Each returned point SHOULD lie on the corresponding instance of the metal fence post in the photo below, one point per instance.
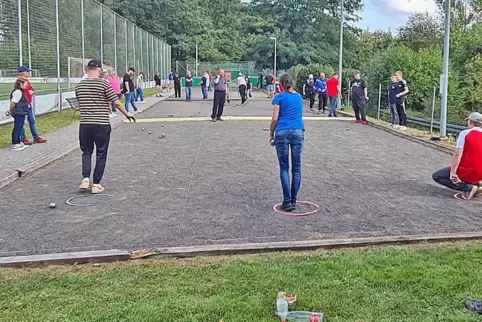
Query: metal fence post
(115, 42)
(28, 37)
(58, 52)
(147, 52)
(157, 56)
(433, 108)
(379, 98)
(125, 37)
(134, 45)
(101, 36)
(82, 31)
(142, 51)
(19, 21)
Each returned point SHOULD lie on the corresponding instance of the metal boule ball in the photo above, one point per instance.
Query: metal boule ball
(143, 129)
(52, 205)
(162, 125)
(150, 132)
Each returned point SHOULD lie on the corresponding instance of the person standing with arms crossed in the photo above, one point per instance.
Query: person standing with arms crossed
(287, 133)
(219, 96)
(320, 85)
(359, 96)
(157, 80)
(392, 102)
(188, 88)
(94, 96)
(401, 90)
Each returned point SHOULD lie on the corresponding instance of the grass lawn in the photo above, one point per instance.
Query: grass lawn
(418, 283)
(49, 123)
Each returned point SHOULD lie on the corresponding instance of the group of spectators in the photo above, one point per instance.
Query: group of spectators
(269, 81)
(326, 89)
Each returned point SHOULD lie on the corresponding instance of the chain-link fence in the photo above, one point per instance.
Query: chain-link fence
(245, 67)
(56, 39)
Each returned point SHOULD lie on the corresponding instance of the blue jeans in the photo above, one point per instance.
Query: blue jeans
(284, 140)
(130, 100)
(139, 94)
(30, 117)
(18, 122)
(205, 91)
(188, 93)
(333, 104)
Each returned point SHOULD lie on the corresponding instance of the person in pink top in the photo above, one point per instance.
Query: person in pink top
(115, 83)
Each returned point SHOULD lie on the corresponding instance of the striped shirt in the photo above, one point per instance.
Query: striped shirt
(94, 96)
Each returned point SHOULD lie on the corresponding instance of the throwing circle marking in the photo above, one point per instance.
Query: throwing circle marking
(293, 214)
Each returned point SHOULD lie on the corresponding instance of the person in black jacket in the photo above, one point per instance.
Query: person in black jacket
(309, 90)
(392, 101)
(177, 85)
(18, 110)
(204, 85)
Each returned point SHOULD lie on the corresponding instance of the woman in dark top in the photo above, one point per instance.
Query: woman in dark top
(287, 132)
(249, 87)
(309, 89)
(18, 110)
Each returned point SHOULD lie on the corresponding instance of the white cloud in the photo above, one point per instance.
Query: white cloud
(406, 7)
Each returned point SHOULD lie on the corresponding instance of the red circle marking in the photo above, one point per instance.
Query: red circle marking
(458, 197)
(317, 208)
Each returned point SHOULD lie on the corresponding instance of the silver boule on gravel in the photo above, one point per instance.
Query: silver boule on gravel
(52, 205)
(150, 132)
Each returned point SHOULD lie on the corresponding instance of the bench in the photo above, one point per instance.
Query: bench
(74, 104)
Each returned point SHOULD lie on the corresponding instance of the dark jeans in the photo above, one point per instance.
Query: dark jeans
(333, 104)
(402, 113)
(218, 104)
(130, 100)
(18, 122)
(394, 114)
(91, 135)
(311, 96)
(205, 91)
(442, 177)
(242, 92)
(359, 109)
(188, 90)
(31, 122)
(284, 140)
(177, 91)
(322, 102)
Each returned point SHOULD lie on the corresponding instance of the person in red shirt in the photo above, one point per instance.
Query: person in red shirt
(465, 171)
(23, 73)
(333, 91)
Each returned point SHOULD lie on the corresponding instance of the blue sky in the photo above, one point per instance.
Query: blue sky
(391, 14)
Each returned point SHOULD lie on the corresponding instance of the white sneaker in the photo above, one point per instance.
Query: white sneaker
(23, 145)
(85, 184)
(17, 147)
(396, 126)
(111, 115)
(139, 110)
(402, 128)
(97, 188)
(143, 102)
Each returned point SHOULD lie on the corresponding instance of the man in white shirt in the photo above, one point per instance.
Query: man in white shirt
(241, 85)
(208, 81)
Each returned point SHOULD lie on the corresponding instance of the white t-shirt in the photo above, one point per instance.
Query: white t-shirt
(241, 81)
(16, 96)
(207, 79)
(140, 81)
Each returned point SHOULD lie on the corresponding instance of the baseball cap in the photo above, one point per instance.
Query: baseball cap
(356, 72)
(474, 116)
(23, 69)
(94, 63)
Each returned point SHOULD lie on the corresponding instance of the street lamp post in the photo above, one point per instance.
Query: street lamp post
(445, 72)
(274, 38)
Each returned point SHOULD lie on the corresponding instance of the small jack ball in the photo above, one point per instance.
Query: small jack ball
(162, 125)
(52, 205)
(150, 132)
(143, 129)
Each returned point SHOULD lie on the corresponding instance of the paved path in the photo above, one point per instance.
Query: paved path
(59, 143)
(213, 183)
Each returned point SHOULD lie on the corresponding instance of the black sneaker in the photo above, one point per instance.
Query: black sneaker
(220, 119)
(469, 194)
(287, 206)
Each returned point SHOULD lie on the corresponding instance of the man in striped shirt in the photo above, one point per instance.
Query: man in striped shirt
(94, 96)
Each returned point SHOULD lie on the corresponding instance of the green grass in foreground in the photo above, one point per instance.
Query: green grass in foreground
(422, 283)
(49, 123)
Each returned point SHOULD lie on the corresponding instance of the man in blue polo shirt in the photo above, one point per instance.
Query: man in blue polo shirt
(320, 86)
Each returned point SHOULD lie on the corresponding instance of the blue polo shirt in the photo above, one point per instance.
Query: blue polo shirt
(290, 111)
(321, 84)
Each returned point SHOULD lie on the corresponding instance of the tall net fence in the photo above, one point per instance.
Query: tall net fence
(56, 39)
(245, 67)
